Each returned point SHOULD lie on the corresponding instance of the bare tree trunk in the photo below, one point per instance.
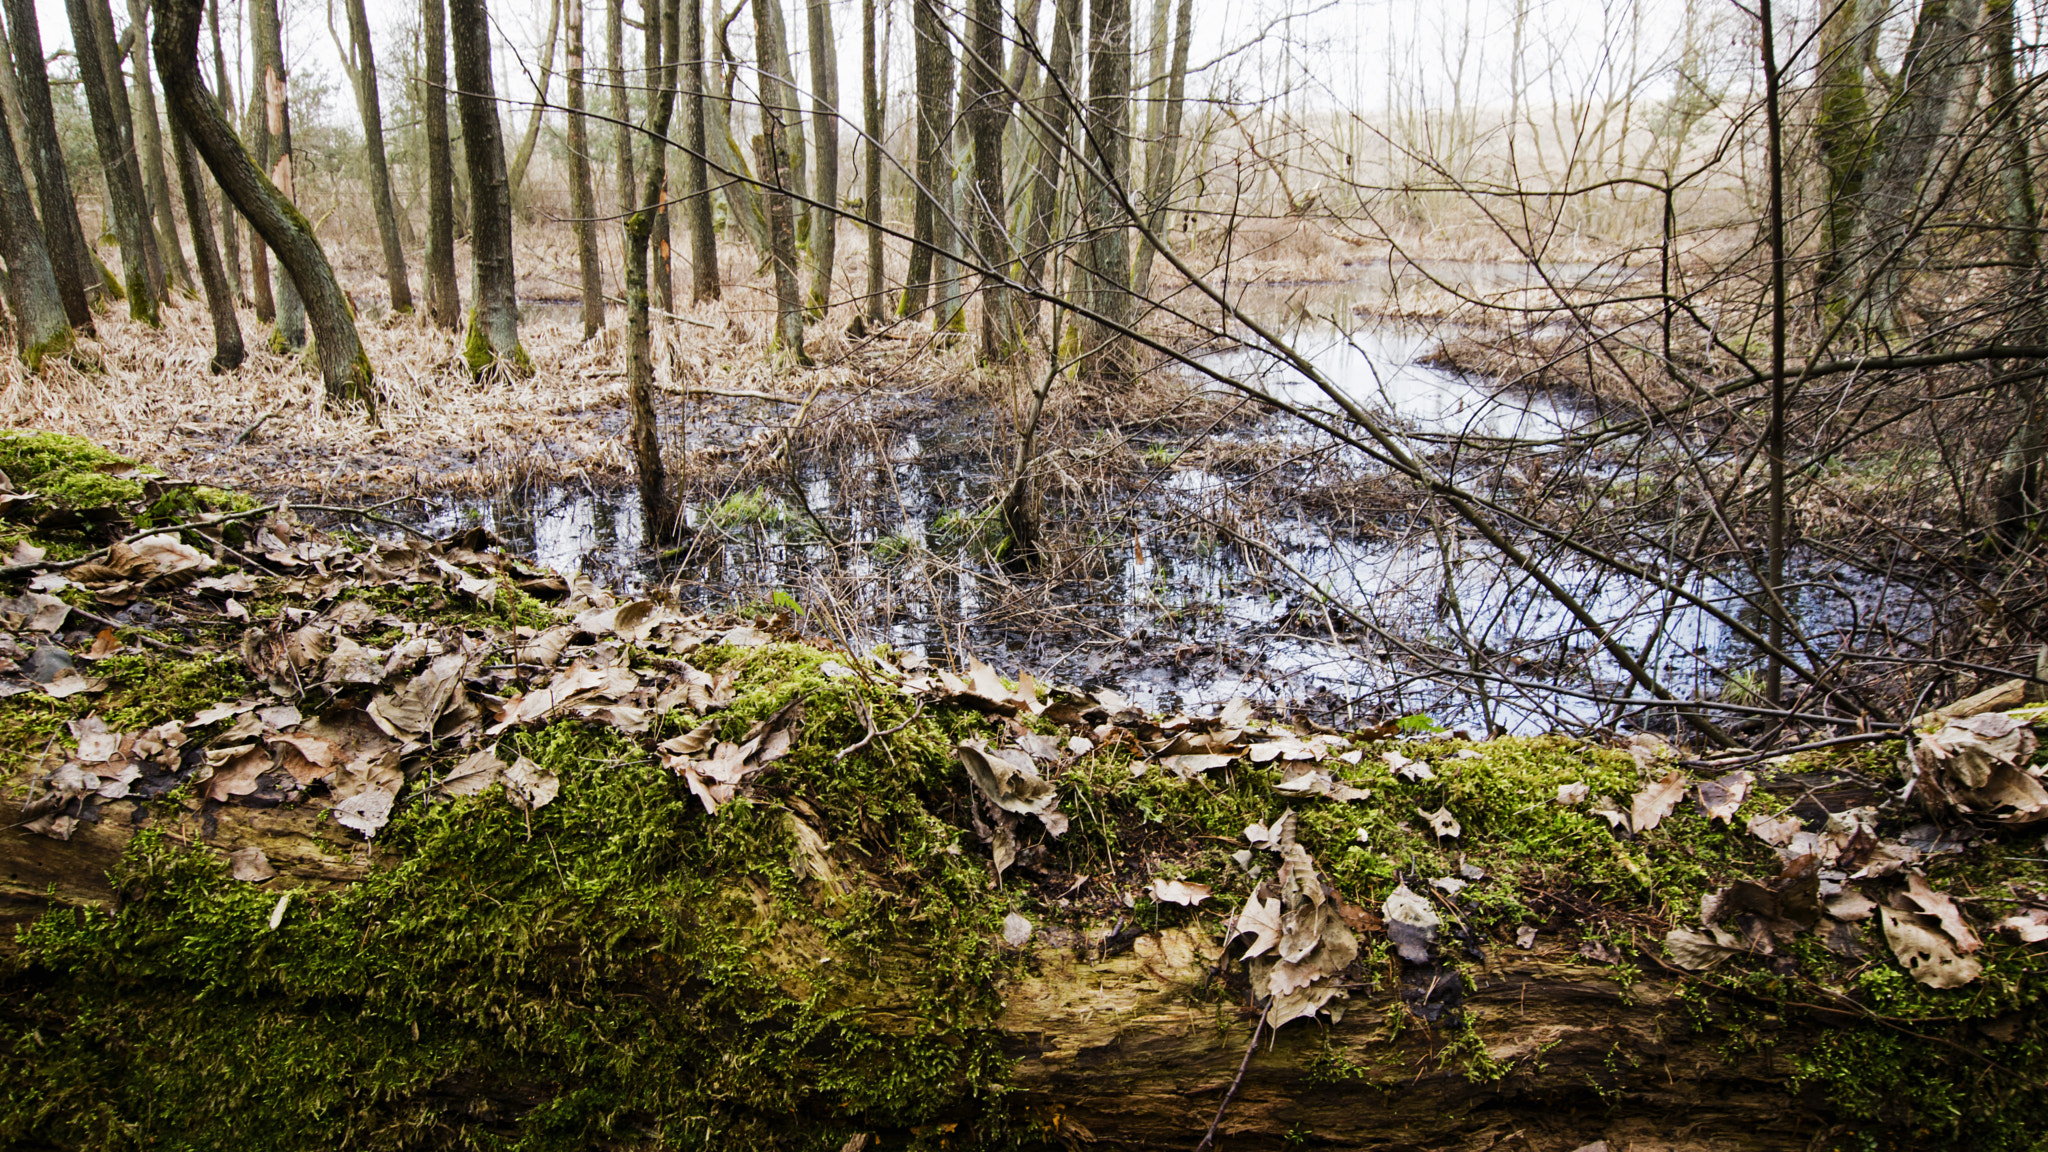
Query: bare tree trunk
(825, 153)
(985, 105)
(1166, 150)
(622, 102)
(1909, 140)
(124, 199)
(740, 196)
(224, 93)
(344, 368)
(934, 70)
(524, 156)
(364, 75)
(220, 300)
(2020, 487)
(781, 78)
(40, 327)
(70, 257)
(1109, 150)
(874, 122)
(444, 287)
(1050, 147)
(582, 196)
(658, 517)
(151, 140)
(257, 121)
(653, 45)
(124, 127)
(704, 278)
(288, 331)
(771, 158)
(1842, 137)
(493, 339)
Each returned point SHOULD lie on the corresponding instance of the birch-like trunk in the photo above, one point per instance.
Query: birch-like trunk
(363, 75)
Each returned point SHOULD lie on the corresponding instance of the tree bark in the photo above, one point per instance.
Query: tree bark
(124, 199)
(41, 329)
(524, 156)
(825, 153)
(771, 158)
(874, 123)
(582, 196)
(653, 51)
(493, 339)
(102, 14)
(657, 513)
(224, 93)
(934, 76)
(704, 276)
(444, 287)
(344, 368)
(257, 120)
(1166, 150)
(1049, 149)
(70, 257)
(371, 109)
(741, 196)
(151, 139)
(985, 105)
(1109, 151)
(1841, 135)
(288, 331)
(622, 103)
(220, 300)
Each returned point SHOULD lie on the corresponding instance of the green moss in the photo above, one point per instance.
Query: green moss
(71, 471)
(752, 508)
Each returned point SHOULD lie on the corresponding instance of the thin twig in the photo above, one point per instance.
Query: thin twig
(365, 514)
(850, 749)
(1250, 1048)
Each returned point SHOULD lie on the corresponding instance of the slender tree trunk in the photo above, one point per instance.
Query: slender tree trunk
(653, 45)
(1909, 142)
(934, 75)
(704, 280)
(1841, 134)
(1109, 150)
(524, 156)
(825, 150)
(658, 516)
(771, 157)
(1166, 151)
(493, 338)
(40, 327)
(781, 77)
(257, 119)
(220, 300)
(71, 259)
(151, 139)
(224, 93)
(622, 102)
(986, 108)
(344, 368)
(444, 287)
(288, 332)
(874, 122)
(124, 127)
(741, 197)
(1050, 147)
(371, 109)
(124, 199)
(2020, 489)
(582, 197)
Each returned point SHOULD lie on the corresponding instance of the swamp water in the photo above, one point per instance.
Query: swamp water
(1174, 613)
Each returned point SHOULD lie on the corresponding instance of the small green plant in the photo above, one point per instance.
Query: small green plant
(786, 602)
(894, 548)
(753, 508)
(1419, 723)
(1743, 686)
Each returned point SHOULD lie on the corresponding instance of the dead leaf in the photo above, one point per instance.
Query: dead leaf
(1009, 785)
(38, 613)
(475, 774)
(1412, 924)
(1407, 768)
(1194, 764)
(1259, 919)
(1720, 798)
(1569, 795)
(410, 712)
(1016, 930)
(529, 786)
(1442, 822)
(2031, 926)
(1777, 831)
(1179, 892)
(1944, 911)
(1655, 802)
(70, 683)
(1698, 951)
(1925, 953)
(250, 864)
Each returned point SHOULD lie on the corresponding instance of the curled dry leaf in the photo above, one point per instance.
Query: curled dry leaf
(1981, 766)
(1570, 795)
(1412, 923)
(1407, 768)
(250, 864)
(476, 773)
(1944, 911)
(1178, 892)
(1719, 798)
(1008, 779)
(1777, 831)
(529, 786)
(1654, 803)
(1259, 919)
(1442, 822)
(2031, 926)
(1925, 953)
(1701, 950)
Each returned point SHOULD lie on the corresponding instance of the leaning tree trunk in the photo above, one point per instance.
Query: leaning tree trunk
(288, 333)
(1910, 140)
(582, 196)
(493, 339)
(873, 128)
(344, 368)
(70, 257)
(150, 139)
(704, 279)
(825, 153)
(364, 75)
(444, 287)
(41, 329)
(657, 513)
(741, 195)
(220, 300)
(1166, 152)
(110, 51)
(124, 199)
(1107, 265)
(771, 157)
(524, 156)
(230, 227)
(986, 108)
